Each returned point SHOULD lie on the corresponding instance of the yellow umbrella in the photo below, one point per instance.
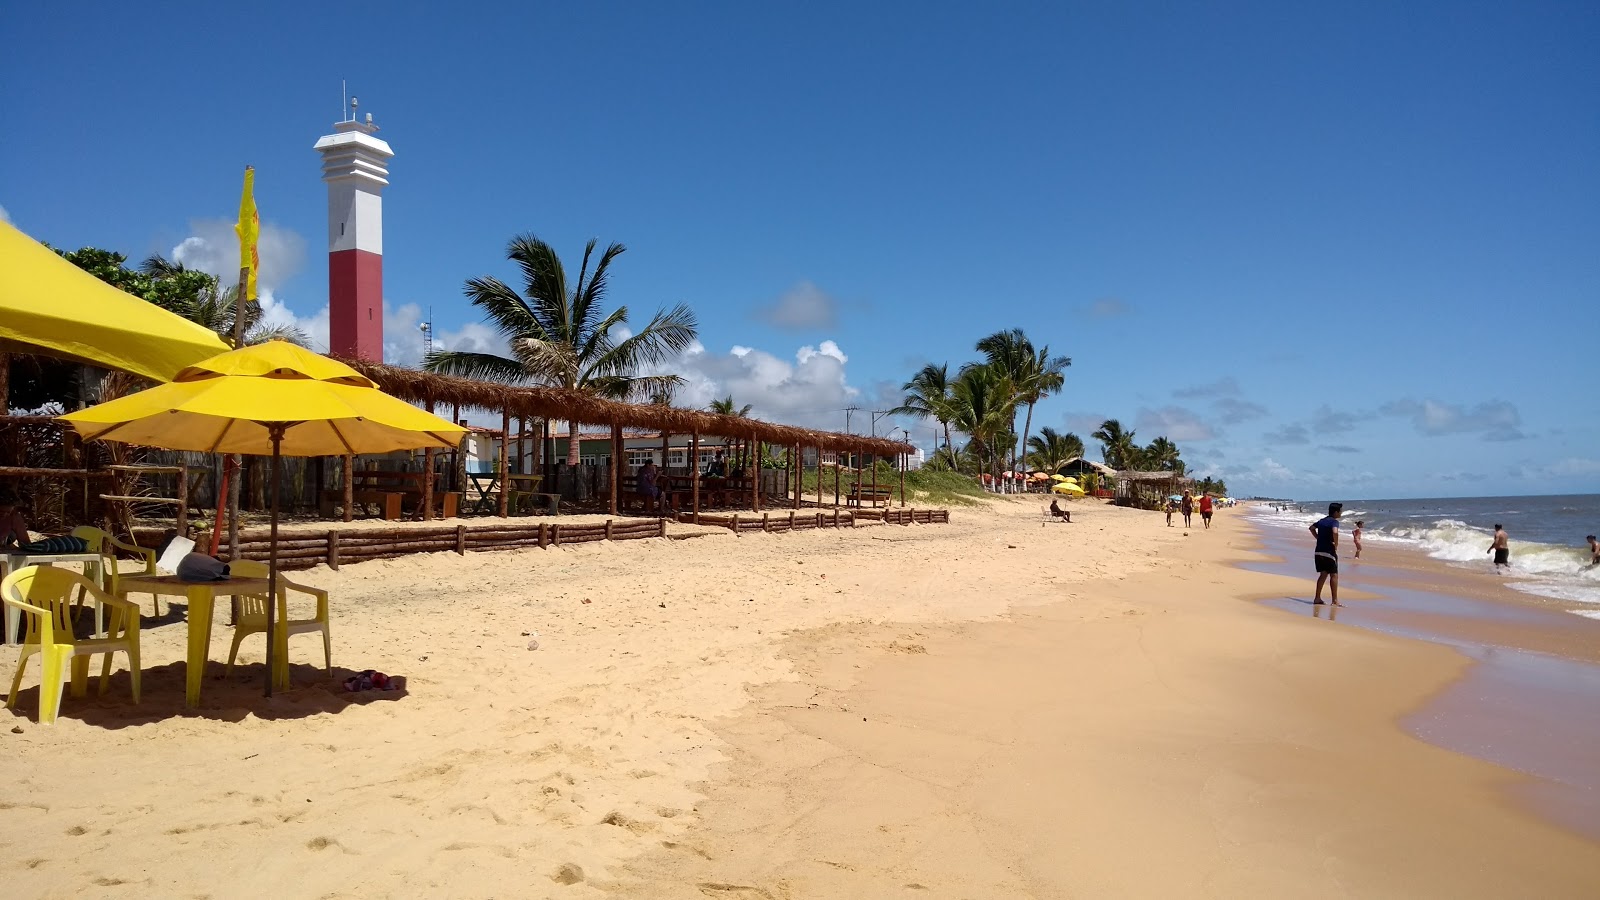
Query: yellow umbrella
(1059, 477)
(51, 306)
(1068, 489)
(274, 398)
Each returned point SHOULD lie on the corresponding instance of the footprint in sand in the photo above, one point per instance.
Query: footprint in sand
(568, 874)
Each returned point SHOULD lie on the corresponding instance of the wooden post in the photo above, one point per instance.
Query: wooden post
(348, 473)
(505, 462)
(522, 429)
(183, 498)
(905, 461)
(754, 471)
(608, 529)
(838, 470)
(874, 481)
(799, 476)
(819, 481)
(333, 550)
(458, 481)
(616, 465)
(461, 539)
(427, 478)
(694, 473)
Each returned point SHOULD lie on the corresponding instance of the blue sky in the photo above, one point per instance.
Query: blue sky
(1349, 249)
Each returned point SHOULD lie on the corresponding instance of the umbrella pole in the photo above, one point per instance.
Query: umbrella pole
(272, 564)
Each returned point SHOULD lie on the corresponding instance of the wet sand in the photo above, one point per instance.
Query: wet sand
(1154, 735)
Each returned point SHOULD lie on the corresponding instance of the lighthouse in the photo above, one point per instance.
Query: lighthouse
(355, 164)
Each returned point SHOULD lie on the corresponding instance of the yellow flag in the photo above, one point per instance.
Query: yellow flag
(249, 229)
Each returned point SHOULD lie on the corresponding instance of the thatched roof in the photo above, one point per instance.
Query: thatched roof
(1153, 476)
(556, 403)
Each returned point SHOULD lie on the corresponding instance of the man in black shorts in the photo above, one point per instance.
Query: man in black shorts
(1501, 548)
(1326, 531)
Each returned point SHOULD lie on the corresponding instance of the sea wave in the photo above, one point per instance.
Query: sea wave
(1545, 570)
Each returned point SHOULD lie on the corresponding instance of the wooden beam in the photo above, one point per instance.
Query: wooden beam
(616, 466)
(348, 467)
(694, 469)
(753, 471)
(505, 462)
(905, 462)
(427, 479)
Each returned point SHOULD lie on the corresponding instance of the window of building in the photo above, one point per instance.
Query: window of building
(640, 457)
(675, 458)
(588, 460)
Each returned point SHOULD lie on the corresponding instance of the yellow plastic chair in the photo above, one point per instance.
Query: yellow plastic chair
(43, 594)
(252, 619)
(107, 546)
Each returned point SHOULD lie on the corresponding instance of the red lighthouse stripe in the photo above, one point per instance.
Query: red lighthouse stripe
(355, 304)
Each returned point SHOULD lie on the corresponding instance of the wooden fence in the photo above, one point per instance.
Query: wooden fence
(777, 522)
(335, 547)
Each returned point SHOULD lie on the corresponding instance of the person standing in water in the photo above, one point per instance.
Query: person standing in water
(1326, 531)
(1594, 551)
(1355, 536)
(1501, 548)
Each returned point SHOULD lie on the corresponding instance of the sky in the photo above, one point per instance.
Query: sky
(1333, 249)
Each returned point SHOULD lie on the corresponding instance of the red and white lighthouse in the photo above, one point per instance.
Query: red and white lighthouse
(356, 167)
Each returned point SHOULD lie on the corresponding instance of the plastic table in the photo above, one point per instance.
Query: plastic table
(202, 598)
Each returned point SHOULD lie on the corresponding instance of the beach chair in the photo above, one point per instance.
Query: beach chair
(107, 546)
(251, 619)
(43, 594)
(1044, 510)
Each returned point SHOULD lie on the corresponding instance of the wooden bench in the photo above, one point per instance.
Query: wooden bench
(859, 492)
(392, 501)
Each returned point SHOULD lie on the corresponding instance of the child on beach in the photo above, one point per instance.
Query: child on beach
(1172, 507)
(1356, 536)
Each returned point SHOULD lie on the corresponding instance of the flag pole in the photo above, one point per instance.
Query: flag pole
(247, 253)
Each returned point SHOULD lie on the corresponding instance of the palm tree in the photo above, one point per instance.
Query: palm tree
(1035, 373)
(560, 336)
(216, 308)
(1162, 456)
(985, 407)
(1049, 450)
(929, 396)
(725, 407)
(1116, 446)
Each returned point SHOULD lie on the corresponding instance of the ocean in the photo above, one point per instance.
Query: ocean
(1549, 557)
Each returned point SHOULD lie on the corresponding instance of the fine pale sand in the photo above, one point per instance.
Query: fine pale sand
(992, 708)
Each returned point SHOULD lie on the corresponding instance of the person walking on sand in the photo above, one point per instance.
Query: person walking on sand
(1188, 508)
(1355, 536)
(1501, 548)
(1205, 508)
(1326, 531)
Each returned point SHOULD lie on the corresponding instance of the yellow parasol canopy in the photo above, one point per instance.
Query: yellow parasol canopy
(229, 403)
(1067, 488)
(50, 306)
(271, 398)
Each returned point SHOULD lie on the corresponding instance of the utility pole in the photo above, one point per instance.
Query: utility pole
(847, 411)
(876, 415)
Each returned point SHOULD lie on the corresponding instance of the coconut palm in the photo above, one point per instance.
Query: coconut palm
(929, 396)
(725, 407)
(1033, 372)
(1116, 446)
(985, 407)
(561, 336)
(1162, 456)
(217, 308)
(1049, 450)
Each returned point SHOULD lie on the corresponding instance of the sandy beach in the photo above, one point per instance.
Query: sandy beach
(985, 709)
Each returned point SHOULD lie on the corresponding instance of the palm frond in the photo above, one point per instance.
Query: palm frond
(480, 366)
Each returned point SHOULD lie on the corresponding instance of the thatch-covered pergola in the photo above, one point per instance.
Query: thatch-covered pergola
(1148, 490)
(434, 391)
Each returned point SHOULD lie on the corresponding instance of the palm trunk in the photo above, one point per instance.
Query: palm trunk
(1027, 426)
(572, 445)
(947, 448)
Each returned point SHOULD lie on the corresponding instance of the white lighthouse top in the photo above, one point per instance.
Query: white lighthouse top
(351, 153)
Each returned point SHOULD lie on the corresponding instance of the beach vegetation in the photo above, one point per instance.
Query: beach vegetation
(1033, 373)
(1049, 450)
(560, 334)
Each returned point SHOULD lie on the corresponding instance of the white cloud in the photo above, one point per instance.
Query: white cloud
(1572, 467)
(214, 247)
(1174, 422)
(811, 389)
(1108, 308)
(1496, 420)
(803, 307)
